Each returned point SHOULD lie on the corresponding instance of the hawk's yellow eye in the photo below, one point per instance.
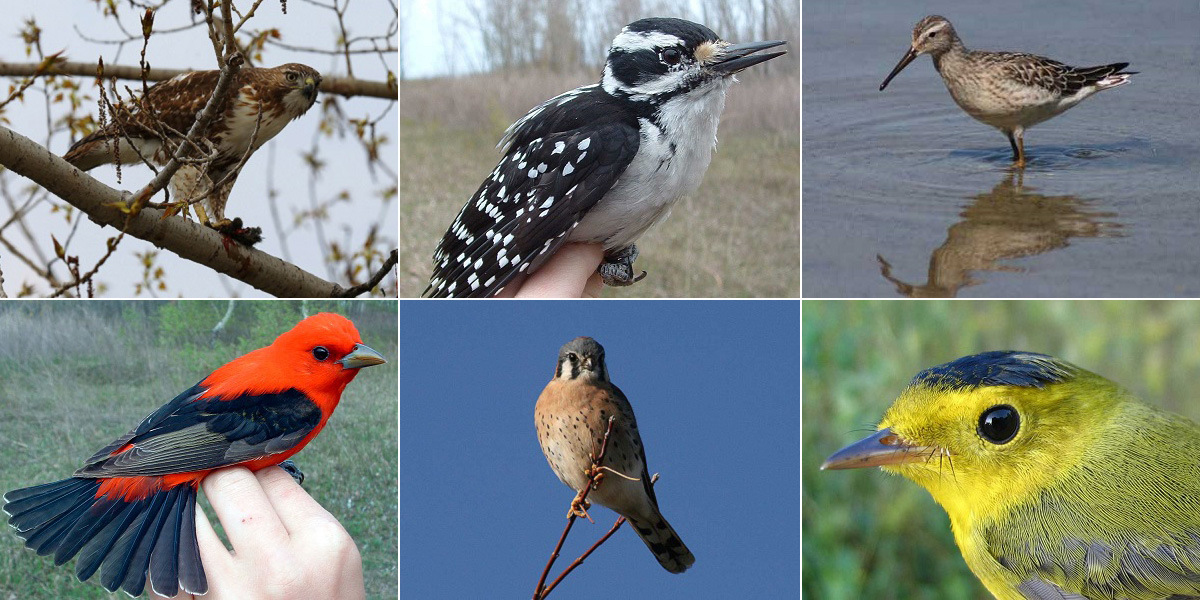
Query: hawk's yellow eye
(292, 76)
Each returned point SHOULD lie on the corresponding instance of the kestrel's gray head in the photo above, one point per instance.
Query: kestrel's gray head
(581, 357)
(933, 35)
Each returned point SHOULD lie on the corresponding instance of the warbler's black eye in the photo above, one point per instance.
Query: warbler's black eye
(999, 424)
(672, 56)
(320, 353)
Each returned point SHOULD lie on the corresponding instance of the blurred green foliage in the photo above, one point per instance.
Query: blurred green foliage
(74, 375)
(867, 534)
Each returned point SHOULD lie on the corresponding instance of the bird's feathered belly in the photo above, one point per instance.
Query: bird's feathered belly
(1004, 102)
(662, 172)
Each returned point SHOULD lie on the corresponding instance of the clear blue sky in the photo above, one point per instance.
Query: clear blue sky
(715, 386)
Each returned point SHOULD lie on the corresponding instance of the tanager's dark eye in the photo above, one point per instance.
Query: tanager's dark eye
(320, 353)
(999, 424)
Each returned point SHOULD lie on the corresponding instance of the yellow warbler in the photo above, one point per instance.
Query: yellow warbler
(1058, 483)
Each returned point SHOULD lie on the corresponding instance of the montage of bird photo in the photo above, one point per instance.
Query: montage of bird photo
(584, 174)
(1057, 482)
(230, 139)
(75, 375)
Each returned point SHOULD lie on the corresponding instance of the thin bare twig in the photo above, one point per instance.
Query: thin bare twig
(370, 284)
(583, 557)
(539, 593)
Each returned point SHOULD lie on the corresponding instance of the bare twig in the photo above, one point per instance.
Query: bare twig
(348, 87)
(583, 557)
(196, 132)
(539, 593)
(370, 284)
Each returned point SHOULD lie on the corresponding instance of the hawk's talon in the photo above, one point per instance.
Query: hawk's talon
(617, 269)
(235, 230)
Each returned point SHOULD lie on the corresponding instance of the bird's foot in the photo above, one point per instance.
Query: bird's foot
(290, 468)
(579, 508)
(617, 269)
(235, 230)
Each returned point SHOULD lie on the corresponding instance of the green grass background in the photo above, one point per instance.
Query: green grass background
(74, 375)
(867, 534)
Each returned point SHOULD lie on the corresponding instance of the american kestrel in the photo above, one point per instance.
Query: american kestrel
(571, 416)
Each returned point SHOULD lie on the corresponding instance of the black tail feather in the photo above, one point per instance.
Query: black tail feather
(127, 541)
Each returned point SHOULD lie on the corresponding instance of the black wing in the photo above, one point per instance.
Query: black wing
(559, 160)
(190, 434)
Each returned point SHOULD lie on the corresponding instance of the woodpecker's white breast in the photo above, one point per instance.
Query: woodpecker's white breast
(670, 163)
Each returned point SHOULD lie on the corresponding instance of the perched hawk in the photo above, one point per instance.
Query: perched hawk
(153, 127)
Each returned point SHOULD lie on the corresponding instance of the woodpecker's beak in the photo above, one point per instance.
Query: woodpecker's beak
(737, 57)
(909, 56)
(884, 447)
(361, 356)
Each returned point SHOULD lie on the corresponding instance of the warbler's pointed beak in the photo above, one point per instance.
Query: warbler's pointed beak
(738, 57)
(909, 56)
(361, 356)
(884, 447)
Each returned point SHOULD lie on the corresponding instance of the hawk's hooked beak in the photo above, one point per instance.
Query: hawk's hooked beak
(310, 88)
(738, 57)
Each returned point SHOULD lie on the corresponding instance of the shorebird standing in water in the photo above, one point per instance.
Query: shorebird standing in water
(1010, 91)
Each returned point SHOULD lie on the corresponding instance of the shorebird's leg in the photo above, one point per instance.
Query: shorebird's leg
(1021, 148)
(1013, 142)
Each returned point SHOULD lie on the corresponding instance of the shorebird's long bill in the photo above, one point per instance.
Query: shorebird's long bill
(738, 57)
(908, 57)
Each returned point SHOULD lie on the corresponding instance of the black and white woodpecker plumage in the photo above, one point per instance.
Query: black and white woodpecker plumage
(600, 163)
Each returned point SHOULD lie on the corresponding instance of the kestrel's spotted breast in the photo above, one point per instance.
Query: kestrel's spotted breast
(571, 416)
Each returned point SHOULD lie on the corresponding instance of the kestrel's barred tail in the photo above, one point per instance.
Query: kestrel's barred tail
(663, 542)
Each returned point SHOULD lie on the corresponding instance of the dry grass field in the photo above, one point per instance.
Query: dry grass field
(737, 236)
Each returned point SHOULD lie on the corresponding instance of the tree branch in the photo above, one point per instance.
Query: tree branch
(341, 86)
(185, 238)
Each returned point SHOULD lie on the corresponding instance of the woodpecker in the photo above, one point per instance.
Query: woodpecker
(600, 163)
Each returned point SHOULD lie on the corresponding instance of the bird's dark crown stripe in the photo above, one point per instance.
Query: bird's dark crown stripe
(1020, 369)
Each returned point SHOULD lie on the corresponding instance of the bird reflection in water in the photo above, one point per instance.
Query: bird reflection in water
(1006, 223)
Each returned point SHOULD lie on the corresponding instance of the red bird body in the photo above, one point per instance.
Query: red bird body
(130, 510)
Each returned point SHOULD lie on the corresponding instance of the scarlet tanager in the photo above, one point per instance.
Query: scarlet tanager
(130, 510)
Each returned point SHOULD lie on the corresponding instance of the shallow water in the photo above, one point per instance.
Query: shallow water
(904, 194)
